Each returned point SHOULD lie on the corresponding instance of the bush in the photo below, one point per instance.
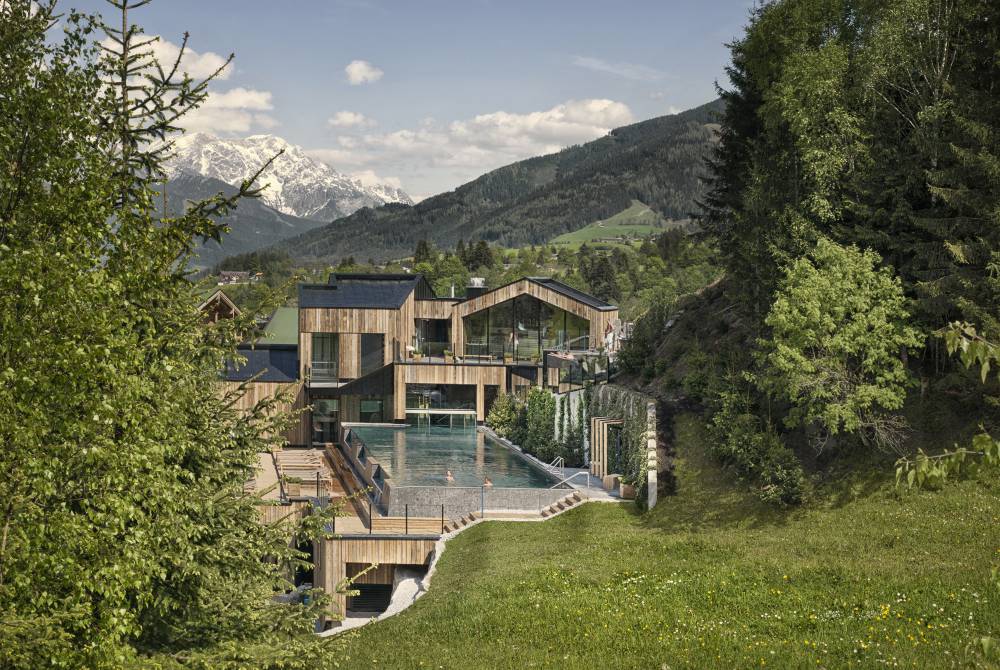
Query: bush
(540, 414)
(755, 451)
(503, 415)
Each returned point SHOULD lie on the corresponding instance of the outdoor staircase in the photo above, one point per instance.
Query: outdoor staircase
(572, 500)
(452, 525)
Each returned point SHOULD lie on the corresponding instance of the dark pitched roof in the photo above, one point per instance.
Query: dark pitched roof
(273, 362)
(373, 291)
(564, 289)
(573, 294)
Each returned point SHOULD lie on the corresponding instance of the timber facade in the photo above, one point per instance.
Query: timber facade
(383, 348)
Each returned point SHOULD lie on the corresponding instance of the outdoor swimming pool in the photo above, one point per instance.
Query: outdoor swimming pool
(422, 456)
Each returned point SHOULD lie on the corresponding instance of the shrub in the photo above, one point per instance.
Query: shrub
(755, 451)
(540, 418)
(503, 415)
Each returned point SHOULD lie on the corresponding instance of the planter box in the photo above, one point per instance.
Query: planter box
(293, 488)
(611, 482)
(627, 492)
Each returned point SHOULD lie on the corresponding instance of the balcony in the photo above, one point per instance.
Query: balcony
(322, 372)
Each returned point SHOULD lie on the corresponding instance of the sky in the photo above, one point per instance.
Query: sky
(429, 94)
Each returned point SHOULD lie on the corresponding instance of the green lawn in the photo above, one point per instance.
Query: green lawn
(861, 577)
(638, 221)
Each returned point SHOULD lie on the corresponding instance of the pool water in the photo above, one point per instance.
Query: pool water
(422, 456)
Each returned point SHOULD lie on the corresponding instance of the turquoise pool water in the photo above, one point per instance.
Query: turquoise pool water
(423, 456)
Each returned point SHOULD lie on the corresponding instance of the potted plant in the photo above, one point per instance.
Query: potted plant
(293, 486)
(627, 490)
(449, 356)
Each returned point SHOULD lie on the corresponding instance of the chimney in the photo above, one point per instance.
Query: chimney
(476, 287)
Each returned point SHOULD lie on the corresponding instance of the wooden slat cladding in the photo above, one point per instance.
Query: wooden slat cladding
(396, 324)
(383, 573)
(334, 556)
(433, 309)
(257, 391)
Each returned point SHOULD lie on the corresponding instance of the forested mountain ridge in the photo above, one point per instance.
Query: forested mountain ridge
(252, 225)
(658, 162)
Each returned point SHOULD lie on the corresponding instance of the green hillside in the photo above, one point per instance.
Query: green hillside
(863, 576)
(659, 162)
(637, 222)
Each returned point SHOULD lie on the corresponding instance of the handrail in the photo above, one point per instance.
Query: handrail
(349, 437)
(570, 478)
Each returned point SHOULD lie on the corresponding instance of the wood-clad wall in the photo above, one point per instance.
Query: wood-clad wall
(396, 324)
(433, 309)
(333, 557)
(599, 319)
(298, 434)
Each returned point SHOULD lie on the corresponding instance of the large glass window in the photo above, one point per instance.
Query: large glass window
(526, 338)
(440, 396)
(577, 332)
(372, 352)
(476, 334)
(522, 328)
(501, 321)
(552, 325)
(325, 350)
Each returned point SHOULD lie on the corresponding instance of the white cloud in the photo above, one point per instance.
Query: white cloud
(369, 178)
(443, 155)
(362, 72)
(346, 119)
(625, 70)
(238, 110)
(198, 65)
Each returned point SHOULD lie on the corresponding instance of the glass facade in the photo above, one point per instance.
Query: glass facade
(440, 396)
(521, 329)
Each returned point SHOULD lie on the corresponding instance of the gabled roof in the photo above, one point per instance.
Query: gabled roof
(219, 295)
(573, 294)
(372, 291)
(272, 362)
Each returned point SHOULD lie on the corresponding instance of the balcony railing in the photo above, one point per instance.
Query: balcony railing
(323, 371)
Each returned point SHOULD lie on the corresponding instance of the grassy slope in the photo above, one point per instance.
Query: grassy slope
(637, 221)
(859, 578)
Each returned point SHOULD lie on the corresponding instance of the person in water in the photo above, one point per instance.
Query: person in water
(448, 476)
(487, 482)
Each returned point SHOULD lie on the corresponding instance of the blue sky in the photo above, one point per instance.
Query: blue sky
(445, 90)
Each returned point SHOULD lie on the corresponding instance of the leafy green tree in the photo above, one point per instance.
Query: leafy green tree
(126, 530)
(839, 331)
(503, 415)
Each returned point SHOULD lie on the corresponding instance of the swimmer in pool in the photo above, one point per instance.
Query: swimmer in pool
(487, 482)
(448, 476)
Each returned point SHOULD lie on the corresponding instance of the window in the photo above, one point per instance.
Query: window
(526, 337)
(577, 332)
(522, 329)
(325, 414)
(372, 352)
(440, 396)
(325, 350)
(476, 334)
(501, 319)
(371, 409)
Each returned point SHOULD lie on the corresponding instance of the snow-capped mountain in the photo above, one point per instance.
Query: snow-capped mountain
(295, 183)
